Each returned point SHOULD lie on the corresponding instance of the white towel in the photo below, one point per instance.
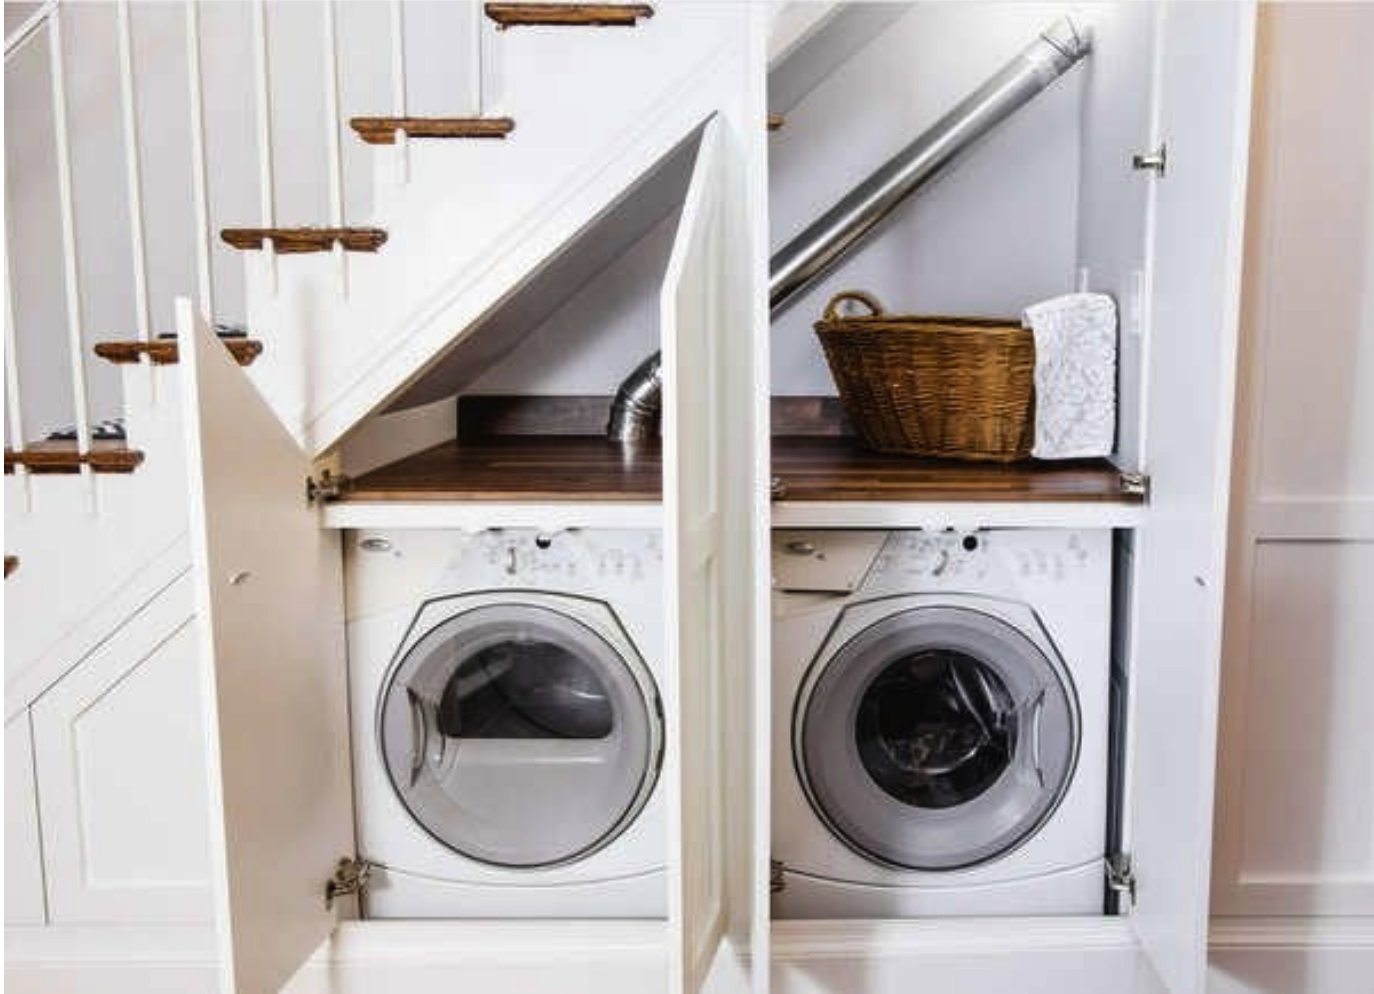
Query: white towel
(1075, 375)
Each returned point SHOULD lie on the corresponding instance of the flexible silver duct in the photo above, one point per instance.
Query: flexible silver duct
(807, 257)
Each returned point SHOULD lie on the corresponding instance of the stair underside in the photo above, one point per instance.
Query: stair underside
(382, 130)
(164, 353)
(601, 15)
(62, 457)
(288, 241)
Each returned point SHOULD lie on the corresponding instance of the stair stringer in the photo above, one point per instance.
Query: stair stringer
(86, 568)
(474, 222)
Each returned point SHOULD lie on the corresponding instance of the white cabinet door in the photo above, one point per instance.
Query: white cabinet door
(714, 448)
(119, 750)
(1203, 112)
(693, 564)
(269, 599)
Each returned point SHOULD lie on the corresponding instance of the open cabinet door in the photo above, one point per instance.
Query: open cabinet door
(693, 567)
(1203, 113)
(269, 606)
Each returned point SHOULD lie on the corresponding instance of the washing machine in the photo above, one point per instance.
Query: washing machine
(507, 722)
(940, 722)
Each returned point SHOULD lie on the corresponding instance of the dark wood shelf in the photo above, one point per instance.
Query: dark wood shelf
(835, 468)
(517, 468)
(586, 468)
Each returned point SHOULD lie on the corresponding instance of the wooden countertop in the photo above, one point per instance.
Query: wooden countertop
(521, 468)
(814, 468)
(585, 469)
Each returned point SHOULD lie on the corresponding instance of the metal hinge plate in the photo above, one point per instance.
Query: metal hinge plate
(1156, 161)
(350, 877)
(328, 487)
(1135, 484)
(776, 876)
(1121, 875)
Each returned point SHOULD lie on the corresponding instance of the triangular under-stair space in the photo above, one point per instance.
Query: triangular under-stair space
(538, 371)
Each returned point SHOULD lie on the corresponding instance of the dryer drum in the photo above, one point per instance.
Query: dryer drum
(520, 737)
(936, 739)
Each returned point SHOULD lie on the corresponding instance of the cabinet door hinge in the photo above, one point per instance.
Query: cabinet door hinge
(350, 877)
(1121, 876)
(330, 486)
(776, 879)
(1135, 484)
(1156, 162)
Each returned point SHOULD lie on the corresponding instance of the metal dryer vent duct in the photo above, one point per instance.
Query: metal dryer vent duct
(807, 257)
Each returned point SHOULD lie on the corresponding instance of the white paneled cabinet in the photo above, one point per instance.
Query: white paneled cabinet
(1295, 825)
(118, 750)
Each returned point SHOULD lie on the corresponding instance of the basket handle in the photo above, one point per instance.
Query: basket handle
(867, 299)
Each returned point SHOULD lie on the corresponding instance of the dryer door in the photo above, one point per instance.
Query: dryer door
(519, 737)
(936, 739)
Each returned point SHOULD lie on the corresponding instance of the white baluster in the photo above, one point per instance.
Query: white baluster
(133, 176)
(398, 90)
(70, 269)
(332, 123)
(14, 406)
(205, 275)
(266, 191)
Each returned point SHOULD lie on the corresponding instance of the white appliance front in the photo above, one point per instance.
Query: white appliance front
(507, 723)
(940, 722)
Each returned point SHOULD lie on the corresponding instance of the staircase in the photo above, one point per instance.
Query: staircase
(354, 276)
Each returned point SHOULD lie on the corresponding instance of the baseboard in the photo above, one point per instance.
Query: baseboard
(1291, 956)
(530, 957)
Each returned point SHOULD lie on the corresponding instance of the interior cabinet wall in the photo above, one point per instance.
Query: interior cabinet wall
(993, 234)
(1296, 791)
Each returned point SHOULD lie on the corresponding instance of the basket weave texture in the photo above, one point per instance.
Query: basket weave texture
(956, 388)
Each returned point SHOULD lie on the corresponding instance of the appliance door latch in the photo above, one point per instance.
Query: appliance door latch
(1121, 876)
(350, 877)
(776, 879)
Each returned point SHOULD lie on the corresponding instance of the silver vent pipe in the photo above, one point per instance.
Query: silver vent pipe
(811, 254)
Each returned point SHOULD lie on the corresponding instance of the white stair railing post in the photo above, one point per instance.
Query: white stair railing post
(133, 174)
(335, 152)
(71, 269)
(398, 90)
(205, 277)
(263, 86)
(14, 406)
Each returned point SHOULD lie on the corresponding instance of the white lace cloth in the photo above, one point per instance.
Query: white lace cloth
(1075, 375)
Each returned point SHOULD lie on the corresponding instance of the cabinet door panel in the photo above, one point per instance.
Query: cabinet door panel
(119, 756)
(1203, 113)
(692, 553)
(269, 600)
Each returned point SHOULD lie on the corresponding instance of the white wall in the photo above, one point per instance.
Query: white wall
(995, 233)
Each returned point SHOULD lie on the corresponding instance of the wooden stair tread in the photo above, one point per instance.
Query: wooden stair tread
(11, 564)
(600, 15)
(775, 122)
(53, 456)
(517, 468)
(164, 351)
(382, 130)
(289, 241)
(835, 468)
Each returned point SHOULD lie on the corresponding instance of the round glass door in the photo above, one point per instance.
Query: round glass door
(936, 739)
(519, 737)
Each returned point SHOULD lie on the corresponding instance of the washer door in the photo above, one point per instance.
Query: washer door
(936, 739)
(519, 737)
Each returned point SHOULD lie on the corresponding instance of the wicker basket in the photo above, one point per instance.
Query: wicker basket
(958, 388)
